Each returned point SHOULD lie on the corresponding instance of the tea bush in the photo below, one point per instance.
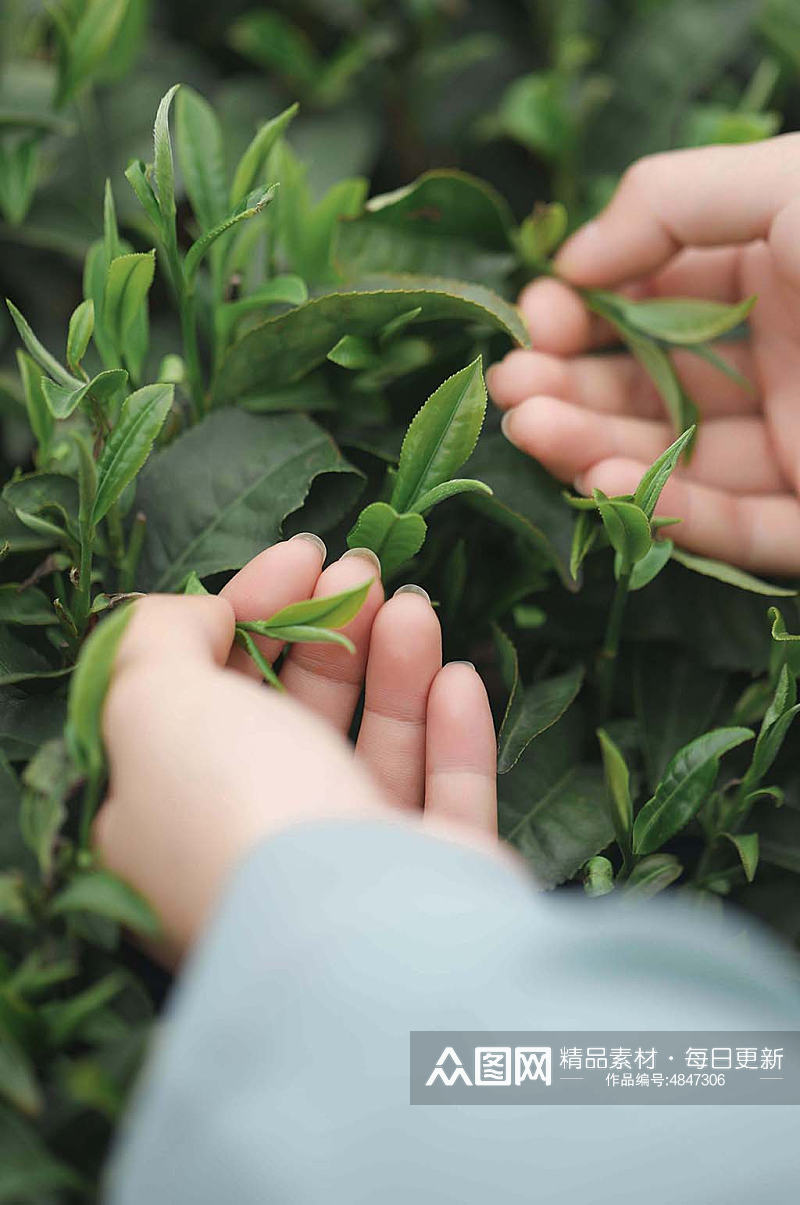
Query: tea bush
(226, 335)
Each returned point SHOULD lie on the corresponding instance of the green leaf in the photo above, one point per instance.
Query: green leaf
(657, 363)
(81, 325)
(25, 605)
(651, 564)
(441, 437)
(193, 585)
(652, 875)
(286, 289)
(290, 345)
(87, 692)
(449, 489)
(584, 536)
(627, 528)
(253, 161)
(18, 1082)
(393, 538)
(730, 575)
(330, 611)
(219, 493)
(687, 782)
(353, 353)
(64, 1019)
(103, 894)
(14, 908)
(618, 792)
(549, 804)
(21, 662)
(252, 205)
(711, 356)
(164, 170)
(746, 846)
(246, 641)
(775, 725)
(136, 175)
(526, 500)
(48, 779)
(36, 495)
(40, 353)
(141, 418)
(127, 285)
(202, 158)
(598, 877)
(684, 320)
(63, 402)
(532, 710)
(648, 491)
(28, 1172)
(301, 634)
(39, 416)
(111, 242)
(89, 43)
(272, 41)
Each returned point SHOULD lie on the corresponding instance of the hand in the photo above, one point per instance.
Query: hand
(721, 223)
(205, 761)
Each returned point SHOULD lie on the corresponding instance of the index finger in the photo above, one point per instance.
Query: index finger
(704, 197)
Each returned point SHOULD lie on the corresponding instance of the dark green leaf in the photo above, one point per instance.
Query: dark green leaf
(687, 782)
(652, 875)
(627, 528)
(746, 846)
(651, 564)
(18, 1082)
(220, 493)
(532, 710)
(39, 416)
(25, 605)
(290, 345)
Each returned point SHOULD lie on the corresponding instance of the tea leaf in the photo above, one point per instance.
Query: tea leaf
(648, 491)
(252, 205)
(141, 418)
(40, 353)
(730, 575)
(648, 568)
(48, 779)
(89, 43)
(627, 529)
(584, 536)
(548, 804)
(746, 846)
(532, 710)
(684, 320)
(63, 402)
(136, 175)
(87, 692)
(541, 232)
(441, 436)
(353, 353)
(246, 641)
(598, 877)
(200, 152)
(251, 165)
(775, 725)
(39, 415)
(288, 345)
(164, 170)
(652, 875)
(127, 285)
(393, 538)
(618, 791)
(221, 491)
(656, 362)
(13, 907)
(449, 489)
(102, 893)
(18, 1082)
(64, 1019)
(331, 611)
(25, 605)
(302, 634)
(711, 356)
(687, 782)
(81, 325)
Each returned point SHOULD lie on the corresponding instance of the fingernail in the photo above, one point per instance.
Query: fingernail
(579, 485)
(366, 554)
(505, 425)
(312, 539)
(469, 663)
(412, 589)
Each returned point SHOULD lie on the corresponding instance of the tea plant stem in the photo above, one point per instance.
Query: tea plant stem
(131, 559)
(91, 801)
(608, 654)
(188, 312)
(80, 611)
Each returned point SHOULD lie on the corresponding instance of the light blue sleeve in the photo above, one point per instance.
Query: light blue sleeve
(281, 1073)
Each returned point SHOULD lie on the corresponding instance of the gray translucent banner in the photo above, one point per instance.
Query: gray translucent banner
(613, 1067)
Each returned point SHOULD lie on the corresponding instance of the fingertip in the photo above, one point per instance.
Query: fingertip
(283, 573)
(522, 373)
(556, 317)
